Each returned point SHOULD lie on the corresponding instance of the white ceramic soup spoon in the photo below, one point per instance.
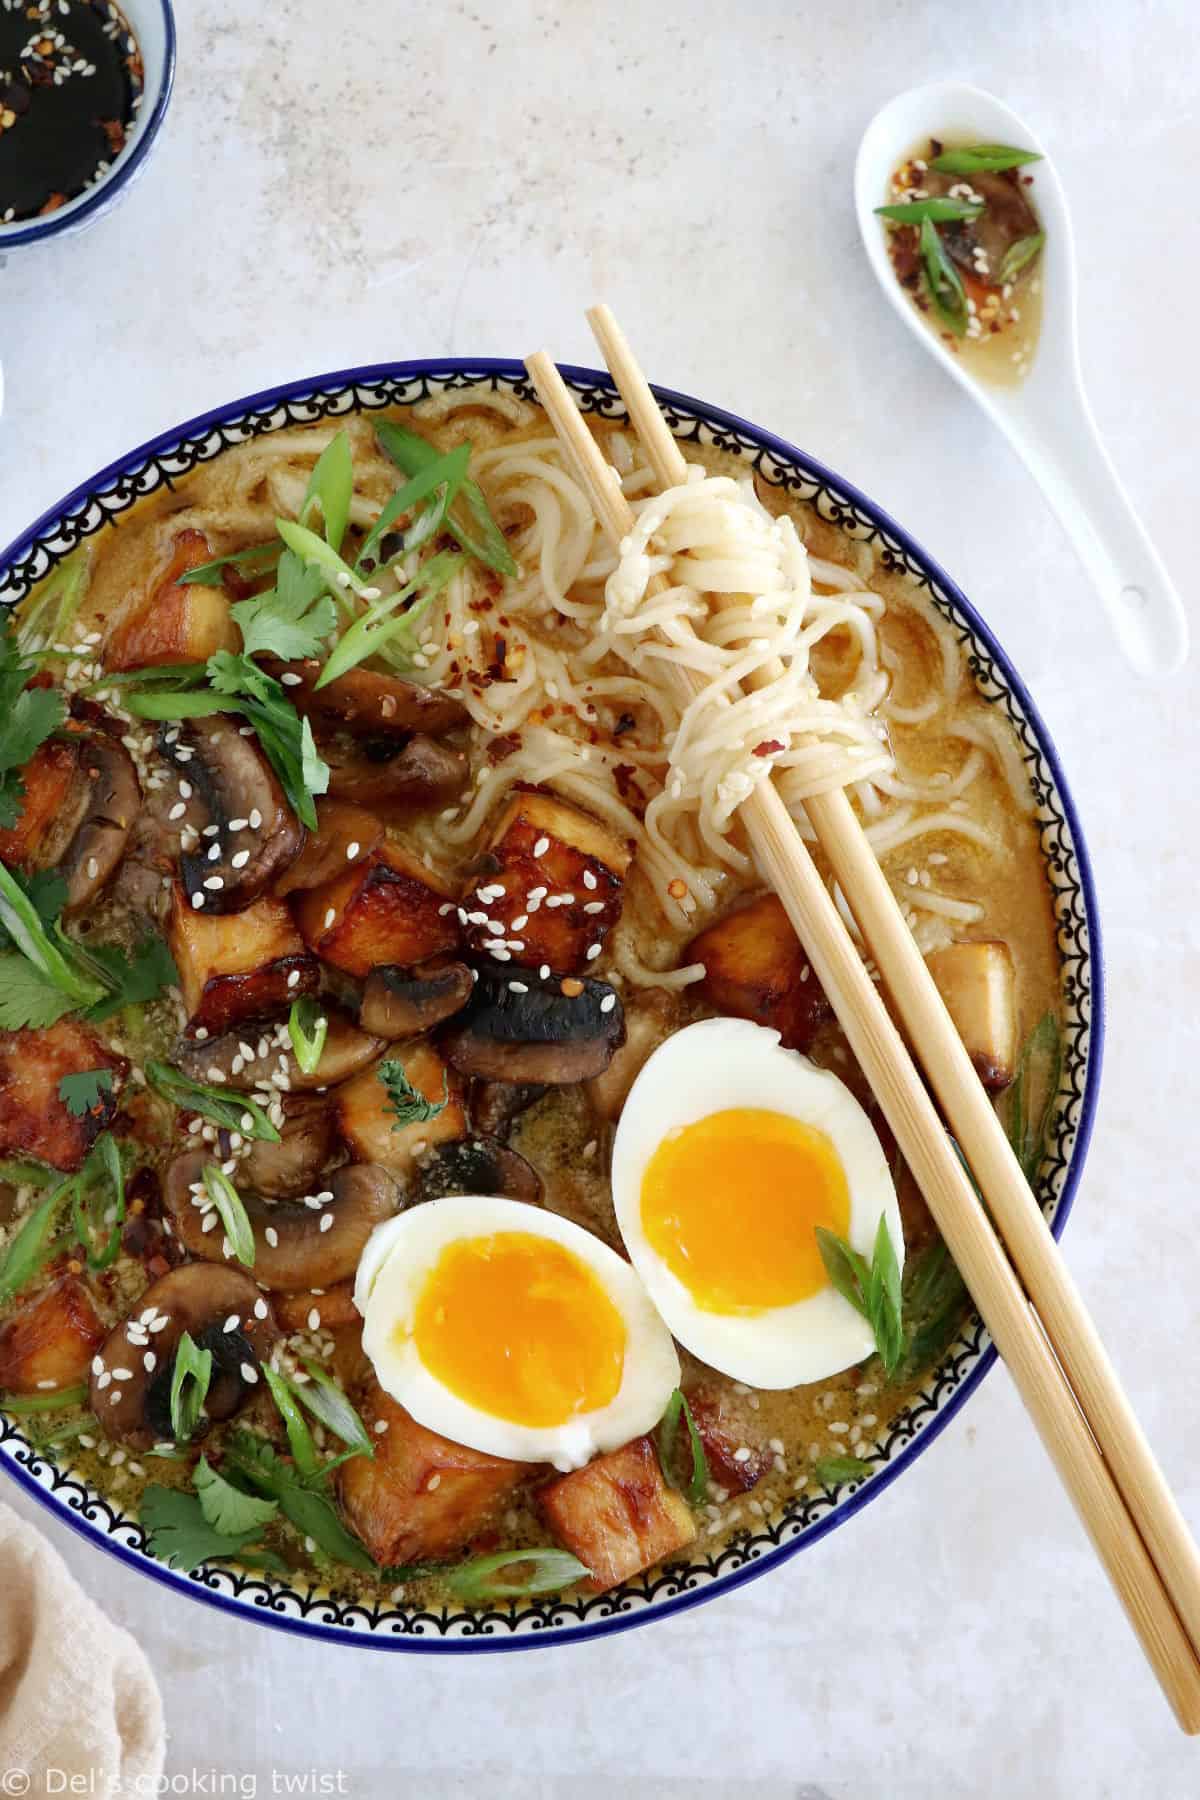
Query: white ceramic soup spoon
(1045, 416)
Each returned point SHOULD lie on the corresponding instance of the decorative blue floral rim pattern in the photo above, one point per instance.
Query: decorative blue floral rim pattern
(807, 1518)
(106, 193)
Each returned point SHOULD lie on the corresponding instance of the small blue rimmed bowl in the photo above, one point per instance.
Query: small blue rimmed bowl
(292, 1606)
(153, 25)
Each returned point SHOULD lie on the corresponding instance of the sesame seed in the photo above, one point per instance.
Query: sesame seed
(314, 1318)
(240, 858)
(260, 1309)
(352, 849)
(594, 952)
(327, 1222)
(594, 906)
(517, 987)
(185, 789)
(214, 883)
(197, 900)
(272, 1237)
(231, 1323)
(541, 847)
(149, 1361)
(255, 819)
(249, 1373)
(608, 1002)
(293, 978)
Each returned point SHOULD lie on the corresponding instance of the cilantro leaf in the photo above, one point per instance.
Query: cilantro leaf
(79, 1093)
(135, 979)
(28, 998)
(679, 1412)
(292, 619)
(309, 1511)
(226, 1508)
(27, 717)
(406, 1103)
(178, 1533)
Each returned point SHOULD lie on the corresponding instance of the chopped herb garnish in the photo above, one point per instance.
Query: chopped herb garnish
(328, 1402)
(300, 1438)
(545, 1571)
(27, 1174)
(407, 1105)
(935, 1298)
(27, 718)
(308, 1024)
(309, 1511)
(330, 490)
(983, 159)
(914, 212)
(668, 1433)
(942, 280)
(98, 1202)
(190, 1380)
(179, 1534)
(442, 478)
(35, 1244)
(231, 1212)
(89, 1088)
(830, 1470)
(292, 619)
(45, 618)
(20, 1404)
(873, 1291)
(226, 1508)
(257, 558)
(383, 626)
(1019, 255)
(235, 1112)
(1039, 1070)
(135, 978)
(48, 974)
(470, 522)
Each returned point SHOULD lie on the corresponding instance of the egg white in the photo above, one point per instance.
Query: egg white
(396, 1262)
(712, 1067)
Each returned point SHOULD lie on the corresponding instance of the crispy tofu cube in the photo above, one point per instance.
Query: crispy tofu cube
(368, 1125)
(421, 1496)
(386, 908)
(50, 1341)
(34, 1119)
(618, 1515)
(237, 967)
(756, 968)
(978, 984)
(48, 777)
(324, 857)
(548, 887)
(174, 623)
(724, 1433)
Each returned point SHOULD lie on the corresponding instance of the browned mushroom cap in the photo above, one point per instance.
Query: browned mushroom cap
(477, 1165)
(1006, 219)
(368, 704)
(89, 837)
(400, 1003)
(393, 778)
(223, 1311)
(247, 832)
(293, 1166)
(308, 1243)
(523, 1028)
(493, 1105)
(258, 1054)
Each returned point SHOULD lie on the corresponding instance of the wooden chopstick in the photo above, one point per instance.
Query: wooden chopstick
(1019, 1220)
(785, 862)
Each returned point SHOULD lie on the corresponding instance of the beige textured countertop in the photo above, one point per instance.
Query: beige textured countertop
(341, 184)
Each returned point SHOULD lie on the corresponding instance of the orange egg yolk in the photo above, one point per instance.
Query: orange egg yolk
(520, 1328)
(731, 1202)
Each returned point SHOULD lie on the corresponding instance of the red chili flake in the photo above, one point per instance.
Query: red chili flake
(768, 747)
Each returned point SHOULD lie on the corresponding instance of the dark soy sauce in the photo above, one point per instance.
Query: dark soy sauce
(70, 88)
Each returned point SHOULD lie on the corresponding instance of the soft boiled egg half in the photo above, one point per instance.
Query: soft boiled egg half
(512, 1330)
(728, 1155)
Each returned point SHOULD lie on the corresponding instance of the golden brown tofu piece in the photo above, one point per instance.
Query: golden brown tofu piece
(50, 1341)
(386, 908)
(549, 887)
(324, 856)
(368, 1125)
(237, 967)
(34, 1119)
(48, 777)
(618, 1516)
(174, 623)
(978, 984)
(421, 1497)
(757, 968)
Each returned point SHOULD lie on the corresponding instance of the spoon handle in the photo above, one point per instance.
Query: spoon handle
(1065, 454)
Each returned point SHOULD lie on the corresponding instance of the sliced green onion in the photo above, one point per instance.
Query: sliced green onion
(1019, 255)
(190, 1380)
(942, 280)
(200, 705)
(308, 1025)
(20, 1404)
(1042, 1053)
(381, 622)
(983, 159)
(330, 490)
(327, 1401)
(312, 549)
(668, 1431)
(236, 1112)
(26, 1174)
(482, 538)
(70, 1428)
(52, 612)
(300, 1438)
(231, 1211)
(830, 1470)
(444, 472)
(208, 574)
(548, 1571)
(98, 1190)
(913, 212)
(56, 961)
(34, 1245)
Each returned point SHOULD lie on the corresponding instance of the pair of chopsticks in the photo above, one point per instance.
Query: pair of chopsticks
(1010, 1261)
